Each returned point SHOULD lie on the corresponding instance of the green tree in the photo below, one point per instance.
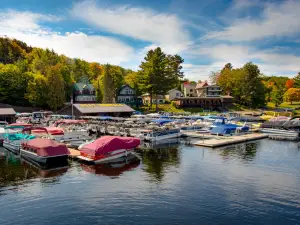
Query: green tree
(159, 73)
(276, 96)
(55, 88)
(36, 94)
(112, 79)
(132, 79)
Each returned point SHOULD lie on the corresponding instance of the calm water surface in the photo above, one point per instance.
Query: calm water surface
(254, 183)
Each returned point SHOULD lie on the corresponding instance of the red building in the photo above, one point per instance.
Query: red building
(212, 103)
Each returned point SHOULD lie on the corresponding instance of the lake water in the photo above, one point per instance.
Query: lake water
(253, 183)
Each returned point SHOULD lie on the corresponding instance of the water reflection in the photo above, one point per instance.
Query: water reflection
(15, 171)
(246, 151)
(113, 169)
(12, 171)
(159, 157)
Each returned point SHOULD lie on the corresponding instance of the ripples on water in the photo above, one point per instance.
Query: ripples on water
(253, 183)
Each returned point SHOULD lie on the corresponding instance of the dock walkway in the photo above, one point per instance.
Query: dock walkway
(219, 141)
(74, 153)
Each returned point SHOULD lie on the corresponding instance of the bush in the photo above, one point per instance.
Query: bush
(173, 104)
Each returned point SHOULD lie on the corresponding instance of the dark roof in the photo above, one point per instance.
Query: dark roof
(7, 111)
(79, 86)
(103, 108)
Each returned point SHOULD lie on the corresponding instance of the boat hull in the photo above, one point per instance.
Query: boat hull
(280, 132)
(12, 147)
(42, 159)
(163, 137)
(114, 155)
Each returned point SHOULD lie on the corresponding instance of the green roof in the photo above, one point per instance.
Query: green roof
(80, 86)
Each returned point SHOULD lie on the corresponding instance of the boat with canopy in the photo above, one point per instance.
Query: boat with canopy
(44, 151)
(108, 148)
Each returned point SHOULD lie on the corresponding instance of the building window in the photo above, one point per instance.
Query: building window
(161, 101)
(191, 90)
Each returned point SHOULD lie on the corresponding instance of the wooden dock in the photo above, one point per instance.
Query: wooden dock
(218, 141)
(74, 153)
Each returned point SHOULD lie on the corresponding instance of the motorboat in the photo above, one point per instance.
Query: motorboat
(113, 169)
(72, 132)
(190, 128)
(44, 151)
(228, 129)
(108, 148)
(14, 137)
(160, 134)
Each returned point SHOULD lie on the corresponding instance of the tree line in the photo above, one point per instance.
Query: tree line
(39, 77)
(251, 88)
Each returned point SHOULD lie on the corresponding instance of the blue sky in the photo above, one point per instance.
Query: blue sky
(206, 33)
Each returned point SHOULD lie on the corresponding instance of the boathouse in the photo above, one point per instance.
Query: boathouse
(211, 103)
(102, 110)
(8, 115)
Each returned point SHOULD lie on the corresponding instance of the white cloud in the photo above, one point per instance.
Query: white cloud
(139, 23)
(26, 27)
(269, 62)
(276, 20)
(239, 5)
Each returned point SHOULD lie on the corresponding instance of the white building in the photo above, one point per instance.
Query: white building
(173, 94)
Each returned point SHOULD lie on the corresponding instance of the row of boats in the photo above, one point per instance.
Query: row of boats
(49, 141)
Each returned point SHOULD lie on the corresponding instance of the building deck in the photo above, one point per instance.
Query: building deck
(218, 141)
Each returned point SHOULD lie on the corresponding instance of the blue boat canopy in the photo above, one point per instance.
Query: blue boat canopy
(162, 121)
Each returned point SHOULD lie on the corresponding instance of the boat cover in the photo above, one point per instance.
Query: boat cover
(106, 144)
(162, 121)
(46, 147)
(50, 130)
(20, 124)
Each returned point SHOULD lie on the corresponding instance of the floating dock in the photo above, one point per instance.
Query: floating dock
(218, 141)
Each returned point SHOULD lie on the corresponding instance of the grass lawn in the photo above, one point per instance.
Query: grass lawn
(285, 105)
(171, 108)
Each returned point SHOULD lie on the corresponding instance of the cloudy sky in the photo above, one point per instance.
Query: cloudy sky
(206, 33)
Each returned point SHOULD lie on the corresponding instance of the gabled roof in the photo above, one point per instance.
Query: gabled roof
(103, 108)
(189, 85)
(174, 89)
(80, 86)
(201, 85)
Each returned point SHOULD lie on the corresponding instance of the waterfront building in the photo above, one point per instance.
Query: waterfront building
(211, 103)
(127, 95)
(160, 99)
(84, 92)
(8, 115)
(102, 110)
(173, 94)
(203, 89)
(188, 89)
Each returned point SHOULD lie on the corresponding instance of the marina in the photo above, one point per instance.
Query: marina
(245, 179)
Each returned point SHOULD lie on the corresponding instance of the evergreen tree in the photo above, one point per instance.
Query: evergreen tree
(297, 81)
(159, 73)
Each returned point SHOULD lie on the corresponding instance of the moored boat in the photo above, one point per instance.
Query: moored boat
(44, 150)
(158, 135)
(13, 138)
(108, 148)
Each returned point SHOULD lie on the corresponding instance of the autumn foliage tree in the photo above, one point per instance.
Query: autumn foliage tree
(292, 95)
(289, 83)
